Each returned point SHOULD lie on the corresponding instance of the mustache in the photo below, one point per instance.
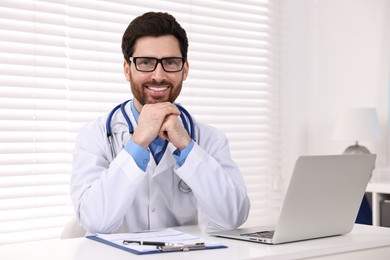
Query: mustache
(161, 83)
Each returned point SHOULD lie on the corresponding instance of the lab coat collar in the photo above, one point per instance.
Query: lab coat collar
(166, 162)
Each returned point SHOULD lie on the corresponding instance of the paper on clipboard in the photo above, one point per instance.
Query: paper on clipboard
(172, 236)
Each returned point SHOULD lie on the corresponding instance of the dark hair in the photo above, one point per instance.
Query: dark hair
(153, 24)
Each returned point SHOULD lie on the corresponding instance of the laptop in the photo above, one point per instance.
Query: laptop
(323, 199)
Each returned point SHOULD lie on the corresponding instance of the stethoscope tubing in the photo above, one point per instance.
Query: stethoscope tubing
(183, 115)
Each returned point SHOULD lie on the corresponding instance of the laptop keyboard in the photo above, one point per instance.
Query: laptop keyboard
(262, 234)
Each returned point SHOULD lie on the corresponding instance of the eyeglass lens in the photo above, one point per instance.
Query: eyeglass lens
(148, 64)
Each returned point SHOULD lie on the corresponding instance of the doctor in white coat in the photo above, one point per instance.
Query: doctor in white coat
(152, 174)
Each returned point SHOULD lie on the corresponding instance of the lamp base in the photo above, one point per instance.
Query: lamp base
(356, 149)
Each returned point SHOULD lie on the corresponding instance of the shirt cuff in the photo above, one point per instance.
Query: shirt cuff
(181, 156)
(139, 154)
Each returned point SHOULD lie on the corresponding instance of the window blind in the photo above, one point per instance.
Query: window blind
(61, 66)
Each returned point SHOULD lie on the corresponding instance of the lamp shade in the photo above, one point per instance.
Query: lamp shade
(357, 124)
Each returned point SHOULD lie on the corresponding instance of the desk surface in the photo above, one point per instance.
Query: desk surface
(362, 243)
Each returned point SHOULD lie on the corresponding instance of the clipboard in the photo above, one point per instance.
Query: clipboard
(177, 241)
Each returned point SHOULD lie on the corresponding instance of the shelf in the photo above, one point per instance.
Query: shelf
(379, 187)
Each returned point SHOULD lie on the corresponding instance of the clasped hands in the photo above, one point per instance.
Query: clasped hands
(161, 119)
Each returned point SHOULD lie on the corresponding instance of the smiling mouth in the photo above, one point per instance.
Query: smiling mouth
(157, 89)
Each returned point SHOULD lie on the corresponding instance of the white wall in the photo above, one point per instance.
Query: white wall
(335, 55)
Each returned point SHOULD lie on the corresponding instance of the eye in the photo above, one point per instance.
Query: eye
(173, 62)
(144, 61)
(170, 62)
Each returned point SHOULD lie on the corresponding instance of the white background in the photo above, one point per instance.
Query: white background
(335, 55)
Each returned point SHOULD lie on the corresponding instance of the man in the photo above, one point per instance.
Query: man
(156, 176)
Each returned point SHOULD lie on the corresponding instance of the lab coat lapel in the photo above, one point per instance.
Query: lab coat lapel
(152, 164)
(166, 162)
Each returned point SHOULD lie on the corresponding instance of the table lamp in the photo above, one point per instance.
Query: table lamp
(357, 124)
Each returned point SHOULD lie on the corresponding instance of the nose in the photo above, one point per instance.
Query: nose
(159, 73)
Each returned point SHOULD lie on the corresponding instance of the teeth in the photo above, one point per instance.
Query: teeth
(158, 89)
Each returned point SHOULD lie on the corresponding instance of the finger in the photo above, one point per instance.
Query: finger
(164, 135)
(160, 110)
(166, 126)
(169, 108)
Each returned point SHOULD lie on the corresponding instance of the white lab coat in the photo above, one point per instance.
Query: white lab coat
(115, 195)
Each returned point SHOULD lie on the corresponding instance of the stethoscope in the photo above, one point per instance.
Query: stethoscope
(183, 115)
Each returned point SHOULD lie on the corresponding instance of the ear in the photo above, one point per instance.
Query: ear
(126, 70)
(185, 70)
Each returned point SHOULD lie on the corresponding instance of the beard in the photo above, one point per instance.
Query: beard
(143, 98)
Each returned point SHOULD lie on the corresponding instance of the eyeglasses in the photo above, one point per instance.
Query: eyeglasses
(149, 64)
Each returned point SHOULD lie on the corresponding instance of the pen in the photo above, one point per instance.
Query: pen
(145, 243)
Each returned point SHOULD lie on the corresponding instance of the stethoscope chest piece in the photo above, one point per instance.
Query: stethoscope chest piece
(184, 187)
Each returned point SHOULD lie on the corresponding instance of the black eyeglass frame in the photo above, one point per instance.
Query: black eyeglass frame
(134, 60)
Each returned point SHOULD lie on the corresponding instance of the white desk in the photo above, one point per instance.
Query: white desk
(364, 242)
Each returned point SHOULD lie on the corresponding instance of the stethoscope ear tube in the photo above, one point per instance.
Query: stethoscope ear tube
(108, 129)
(131, 129)
(111, 140)
(109, 119)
